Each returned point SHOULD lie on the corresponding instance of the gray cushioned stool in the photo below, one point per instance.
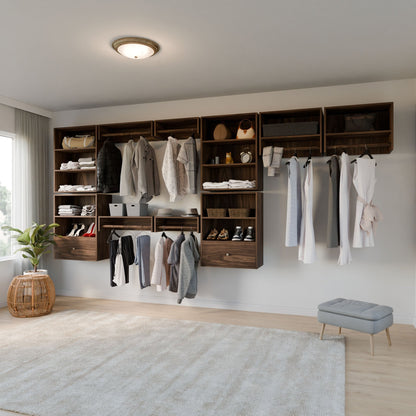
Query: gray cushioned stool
(354, 314)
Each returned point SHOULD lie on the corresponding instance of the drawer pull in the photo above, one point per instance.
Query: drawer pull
(227, 254)
(73, 248)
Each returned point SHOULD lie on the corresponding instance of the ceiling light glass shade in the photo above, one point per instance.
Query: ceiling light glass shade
(135, 48)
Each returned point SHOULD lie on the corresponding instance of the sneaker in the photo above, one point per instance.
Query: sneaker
(213, 234)
(250, 234)
(238, 233)
(223, 235)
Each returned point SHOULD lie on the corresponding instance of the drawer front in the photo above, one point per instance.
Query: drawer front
(233, 254)
(76, 248)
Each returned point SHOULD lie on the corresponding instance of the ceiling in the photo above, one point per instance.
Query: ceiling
(57, 54)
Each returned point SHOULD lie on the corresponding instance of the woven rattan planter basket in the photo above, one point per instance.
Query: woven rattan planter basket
(31, 295)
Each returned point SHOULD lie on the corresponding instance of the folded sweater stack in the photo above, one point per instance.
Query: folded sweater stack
(88, 210)
(76, 188)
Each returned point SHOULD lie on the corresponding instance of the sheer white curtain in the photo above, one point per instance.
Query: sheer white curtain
(30, 199)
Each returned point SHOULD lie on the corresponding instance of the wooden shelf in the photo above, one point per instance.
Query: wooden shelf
(228, 218)
(227, 165)
(74, 170)
(229, 141)
(81, 150)
(288, 138)
(350, 128)
(126, 134)
(359, 133)
(187, 223)
(76, 216)
(125, 223)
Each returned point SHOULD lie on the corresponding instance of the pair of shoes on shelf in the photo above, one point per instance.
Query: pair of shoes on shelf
(91, 231)
(214, 235)
(78, 230)
(238, 234)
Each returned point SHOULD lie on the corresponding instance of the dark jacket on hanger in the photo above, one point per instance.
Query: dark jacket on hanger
(108, 168)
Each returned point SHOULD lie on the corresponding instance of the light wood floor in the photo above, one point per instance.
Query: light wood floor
(381, 385)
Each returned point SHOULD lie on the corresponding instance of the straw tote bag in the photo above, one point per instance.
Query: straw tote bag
(78, 142)
(221, 132)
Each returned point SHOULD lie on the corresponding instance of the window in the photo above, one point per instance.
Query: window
(6, 158)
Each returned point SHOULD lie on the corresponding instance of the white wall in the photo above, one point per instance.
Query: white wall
(7, 119)
(384, 274)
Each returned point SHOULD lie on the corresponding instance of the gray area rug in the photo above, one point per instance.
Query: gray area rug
(80, 363)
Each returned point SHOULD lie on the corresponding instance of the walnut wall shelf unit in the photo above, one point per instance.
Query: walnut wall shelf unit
(314, 131)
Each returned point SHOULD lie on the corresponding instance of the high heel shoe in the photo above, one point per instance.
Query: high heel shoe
(90, 231)
(72, 232)
(80, 230)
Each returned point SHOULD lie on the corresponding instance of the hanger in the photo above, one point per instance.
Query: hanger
(366, 152)
(112, 232)
(308, 160)
(295, 154)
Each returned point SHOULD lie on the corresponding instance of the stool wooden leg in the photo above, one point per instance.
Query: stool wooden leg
(322, 331)
(372, 343)
(388, 336)
(339, 330)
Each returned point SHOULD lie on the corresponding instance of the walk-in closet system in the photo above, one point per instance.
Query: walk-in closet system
(304, 132)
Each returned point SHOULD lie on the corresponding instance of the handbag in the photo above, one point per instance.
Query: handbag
(221, 132)
(78, 142)
(246, 130)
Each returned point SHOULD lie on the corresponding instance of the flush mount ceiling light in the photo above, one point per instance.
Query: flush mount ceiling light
(135, 48)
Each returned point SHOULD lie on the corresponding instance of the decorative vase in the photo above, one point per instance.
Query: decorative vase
(30, 295)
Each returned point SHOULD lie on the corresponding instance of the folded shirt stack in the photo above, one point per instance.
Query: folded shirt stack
(86, 163)
(70, 165)
(76, 188)
(215, 185)
(231, 184)
(235, 183)
(69, 210)
(88, 210)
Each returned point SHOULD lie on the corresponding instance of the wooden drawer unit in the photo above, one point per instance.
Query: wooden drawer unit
(76, 248)
(233, 254)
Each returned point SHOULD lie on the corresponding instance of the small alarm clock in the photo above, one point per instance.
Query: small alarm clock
(246, 157)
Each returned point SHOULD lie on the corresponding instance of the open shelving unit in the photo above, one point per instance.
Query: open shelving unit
(354, 128)
(297, 131)
(179, 128)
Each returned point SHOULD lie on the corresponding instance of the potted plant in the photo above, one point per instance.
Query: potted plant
(35, 241)
(32, 294)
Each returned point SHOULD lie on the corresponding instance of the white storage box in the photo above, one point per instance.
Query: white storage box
(117, 210)
(137, 210)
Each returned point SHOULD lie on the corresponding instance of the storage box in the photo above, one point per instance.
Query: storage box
(297, 128)
(117, 210)
(137, 210)
(216, 212)
(239, 212)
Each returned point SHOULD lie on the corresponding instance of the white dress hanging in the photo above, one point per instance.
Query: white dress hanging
(344, 211)
(307, 252)
(366, 214)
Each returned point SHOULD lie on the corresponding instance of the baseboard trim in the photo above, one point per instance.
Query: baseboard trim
(169, 298)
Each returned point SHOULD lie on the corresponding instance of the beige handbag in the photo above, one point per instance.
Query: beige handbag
(221, 132)
(78, 142)
(246, 130)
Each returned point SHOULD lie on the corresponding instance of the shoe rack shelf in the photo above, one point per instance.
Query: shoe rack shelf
(232, 254)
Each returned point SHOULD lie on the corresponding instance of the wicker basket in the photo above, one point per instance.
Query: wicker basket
(31, 295)
(216, 212)
(239, 212)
